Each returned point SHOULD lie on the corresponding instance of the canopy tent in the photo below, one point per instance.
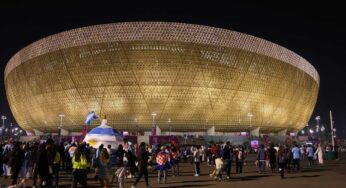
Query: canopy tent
(105, 135)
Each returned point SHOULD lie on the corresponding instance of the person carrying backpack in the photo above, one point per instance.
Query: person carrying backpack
(281, 161)
(56, 164)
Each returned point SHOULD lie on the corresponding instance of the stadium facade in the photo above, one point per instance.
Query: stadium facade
(192, 76)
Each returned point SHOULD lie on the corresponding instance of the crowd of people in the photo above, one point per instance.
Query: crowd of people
(43, 162)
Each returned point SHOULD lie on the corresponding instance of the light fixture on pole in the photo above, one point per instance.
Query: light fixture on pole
(318, 123)
(323, 128)
(61, 115)
(3, 120)
(3, 125)
(318, 118)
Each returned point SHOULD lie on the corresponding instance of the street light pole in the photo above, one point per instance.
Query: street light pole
(3, 125)
(318, 123)
(170, 128)
(331, 128)
(250, 115)
(154, 126)
(318, 133)
(61, 115)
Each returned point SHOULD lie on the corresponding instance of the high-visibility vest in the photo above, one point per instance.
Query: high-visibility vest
(82, 164)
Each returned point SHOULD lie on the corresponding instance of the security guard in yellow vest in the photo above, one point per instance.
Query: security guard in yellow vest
(80, 165)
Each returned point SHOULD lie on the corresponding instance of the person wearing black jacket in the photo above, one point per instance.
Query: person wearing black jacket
(272, 157)
(17, 161)
(44, 164)
(142, 157)
(1, 158)
(228, 158)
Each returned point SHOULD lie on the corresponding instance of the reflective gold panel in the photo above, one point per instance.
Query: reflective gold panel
(196, 76)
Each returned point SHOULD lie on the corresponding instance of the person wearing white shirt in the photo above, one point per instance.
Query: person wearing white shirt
(319, 154)
(310, 154)
(197, 160)
(296, 157)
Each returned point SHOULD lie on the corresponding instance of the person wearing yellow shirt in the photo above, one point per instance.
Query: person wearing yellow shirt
(80, 165)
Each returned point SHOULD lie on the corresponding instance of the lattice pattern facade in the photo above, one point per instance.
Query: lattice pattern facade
(197, 76)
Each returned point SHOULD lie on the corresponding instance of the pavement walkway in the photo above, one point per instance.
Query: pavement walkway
(330, 175)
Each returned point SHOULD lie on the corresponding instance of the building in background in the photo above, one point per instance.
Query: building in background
(192, 77)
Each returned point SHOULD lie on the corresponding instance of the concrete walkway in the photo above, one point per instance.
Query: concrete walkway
(330, 175)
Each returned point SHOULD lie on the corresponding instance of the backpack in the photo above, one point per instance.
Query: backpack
(281, 158)
(57, 158)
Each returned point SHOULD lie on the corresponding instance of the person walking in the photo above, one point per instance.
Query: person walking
(261, 158)
(310, 154)
(272, 158)
(7, 156)
(175, 159)
(319, 154)
(296, 157)
(121, 170)
(218, 163)
(197, 160)
(281, 161)
(56, 164)
(96, 160)
(103, 168)
(25, 173)
(131, 157)
(162, 165)
(44, 164)
(79, 165)
(228, 158)
(239, 156)
(142, 157)
(1, 158)
(288, 157)
(17, 161)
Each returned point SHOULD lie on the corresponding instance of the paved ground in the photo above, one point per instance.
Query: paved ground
(332, 175)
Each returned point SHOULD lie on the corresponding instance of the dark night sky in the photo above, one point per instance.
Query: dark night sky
(316, 31)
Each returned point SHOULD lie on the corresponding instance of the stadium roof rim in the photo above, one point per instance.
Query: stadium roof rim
(161, 31)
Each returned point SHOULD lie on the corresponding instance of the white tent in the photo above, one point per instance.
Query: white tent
(105, 135)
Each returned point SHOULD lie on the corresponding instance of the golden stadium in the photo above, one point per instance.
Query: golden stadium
(193, 77)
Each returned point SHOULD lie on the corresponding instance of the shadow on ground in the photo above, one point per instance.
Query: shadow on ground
(249, 178)
(304, 176)
(191, 185)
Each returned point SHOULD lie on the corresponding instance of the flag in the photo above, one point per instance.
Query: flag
(90, 117)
